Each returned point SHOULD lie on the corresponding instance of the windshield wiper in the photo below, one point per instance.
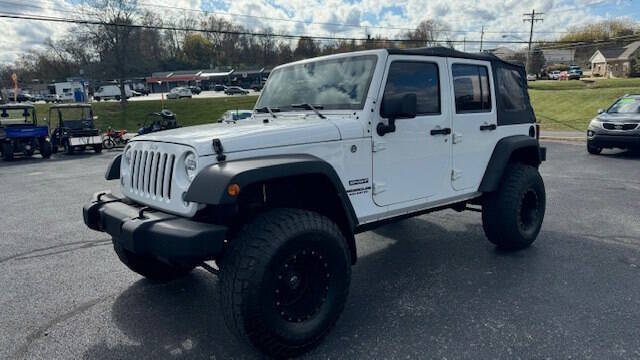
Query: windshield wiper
(310, 107)
(268, 109)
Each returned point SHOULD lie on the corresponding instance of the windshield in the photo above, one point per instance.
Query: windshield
(625, 106)
(16, 117)
(331, 84)
(73, 117)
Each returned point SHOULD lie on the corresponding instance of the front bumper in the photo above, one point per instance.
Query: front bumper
(614, 141)
(142, 230)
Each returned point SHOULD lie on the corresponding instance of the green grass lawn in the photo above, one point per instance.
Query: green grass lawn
(188, 111)
(559, 105)
(570, 105)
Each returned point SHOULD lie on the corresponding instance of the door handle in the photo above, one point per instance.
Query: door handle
(443, 131)
(487, 127)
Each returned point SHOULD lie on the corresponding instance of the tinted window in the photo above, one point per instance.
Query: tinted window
(415, 77)
(471, 86)
(511, 90)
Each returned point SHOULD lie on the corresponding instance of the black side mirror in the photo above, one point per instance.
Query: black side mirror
(402, 106)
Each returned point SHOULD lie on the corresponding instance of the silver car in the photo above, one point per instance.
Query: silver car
(616, 127)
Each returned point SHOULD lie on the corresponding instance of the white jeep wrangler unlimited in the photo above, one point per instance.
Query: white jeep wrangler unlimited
(336, 146)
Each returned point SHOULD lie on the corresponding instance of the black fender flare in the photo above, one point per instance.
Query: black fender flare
(211, 183)
(113, 169)
(528, 150)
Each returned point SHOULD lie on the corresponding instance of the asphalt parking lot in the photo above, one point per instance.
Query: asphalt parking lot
(427, 287)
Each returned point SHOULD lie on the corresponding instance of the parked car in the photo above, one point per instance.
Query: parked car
(195, 90)
(111, 92)
(52, 98)
(554, 75)
(74, 128)
(576, 68)
(38, 97)
(531, 77)
(235, 115)
(257, 87)
(360, 140)
(219, 87)
(574, 74)
(21, 97)
(20, 132)
(232, 90)
(616, 127)
(179, 93)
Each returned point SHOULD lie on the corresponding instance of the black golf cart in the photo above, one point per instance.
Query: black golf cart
(73, 128)
(20, 133)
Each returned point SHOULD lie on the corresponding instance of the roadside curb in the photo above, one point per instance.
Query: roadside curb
(563, 138)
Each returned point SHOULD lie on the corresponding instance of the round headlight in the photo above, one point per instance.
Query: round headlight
(190, 165)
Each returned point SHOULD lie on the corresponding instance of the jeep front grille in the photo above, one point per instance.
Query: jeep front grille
(152, 173)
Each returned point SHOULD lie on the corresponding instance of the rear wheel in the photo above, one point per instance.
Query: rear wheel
(512, 216)
(593, 150)
(68, 149)
(150, 267)
(108, 144)
(97, 148)
(285, 280)
(45, 148)
(7, 151)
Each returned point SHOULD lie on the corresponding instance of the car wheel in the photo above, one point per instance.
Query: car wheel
(97, 148)
(285, 280)
(150, 267)
(7, 151)
(45, 148)
(68, 149)
(593, 150)
(512, 216)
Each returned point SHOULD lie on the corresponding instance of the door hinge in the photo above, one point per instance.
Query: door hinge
(378, 187)
(378, 146)
(457, 138)
(455, 175)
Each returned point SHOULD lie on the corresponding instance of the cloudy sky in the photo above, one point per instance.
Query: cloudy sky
(502, 20)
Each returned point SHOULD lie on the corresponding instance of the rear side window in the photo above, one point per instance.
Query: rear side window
(421, 78)
(471, 87)
(511, 90)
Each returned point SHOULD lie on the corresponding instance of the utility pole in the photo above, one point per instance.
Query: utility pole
(533, 18)
(481, 37)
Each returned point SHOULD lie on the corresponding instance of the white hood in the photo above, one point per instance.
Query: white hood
(250, 134)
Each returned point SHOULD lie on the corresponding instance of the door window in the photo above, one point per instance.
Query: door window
(471, 87)
(420, 78)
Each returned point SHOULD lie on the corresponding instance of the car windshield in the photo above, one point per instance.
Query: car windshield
(16, 117)
(331, 84)
(625, 106)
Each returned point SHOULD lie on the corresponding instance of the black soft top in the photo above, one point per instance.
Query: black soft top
(510, 79)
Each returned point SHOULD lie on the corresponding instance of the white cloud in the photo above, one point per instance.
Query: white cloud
(496, 16)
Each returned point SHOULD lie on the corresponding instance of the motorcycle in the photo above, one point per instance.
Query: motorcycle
(113, 138)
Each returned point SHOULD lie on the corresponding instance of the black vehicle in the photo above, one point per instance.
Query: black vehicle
(616, 127)
(163, 120)
(20, 133)
(257, 87)
(219, 87)
(232, 90)
(73, 128)
(195, 90)
(21, 97)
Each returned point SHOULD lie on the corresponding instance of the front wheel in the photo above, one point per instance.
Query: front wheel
(108, 144)
(593, 150)
(150, 267)
(512, 216)
(285, 280)
(7, 151)
(45, 148)
(68, 149)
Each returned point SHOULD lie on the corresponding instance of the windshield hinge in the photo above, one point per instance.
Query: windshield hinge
(217, 147)
(378, 146)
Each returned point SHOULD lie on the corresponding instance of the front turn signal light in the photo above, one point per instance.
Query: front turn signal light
(233, 190)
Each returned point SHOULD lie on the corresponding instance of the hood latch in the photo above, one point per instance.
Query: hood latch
(217, 147)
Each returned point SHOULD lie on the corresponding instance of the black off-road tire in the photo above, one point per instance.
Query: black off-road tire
(593, 150)
(45, 149)
(150, 267)
(512, 216)
(97, 148)
(285, 281)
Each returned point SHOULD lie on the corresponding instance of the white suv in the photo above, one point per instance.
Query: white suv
(338, 145)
